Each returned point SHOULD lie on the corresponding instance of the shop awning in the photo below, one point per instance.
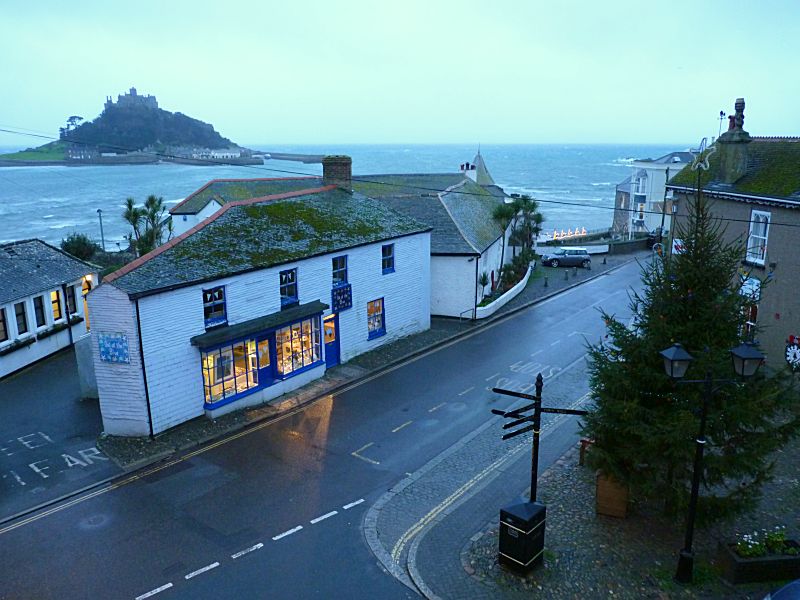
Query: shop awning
(220, 335)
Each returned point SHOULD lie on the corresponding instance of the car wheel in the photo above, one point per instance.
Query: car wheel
(554, 262)
(586, 263)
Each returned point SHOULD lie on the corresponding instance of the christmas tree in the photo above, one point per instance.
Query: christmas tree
(644, 424)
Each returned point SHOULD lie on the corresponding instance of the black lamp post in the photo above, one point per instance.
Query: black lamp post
(746, 360)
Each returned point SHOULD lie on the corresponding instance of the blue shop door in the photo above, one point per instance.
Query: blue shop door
(265, 358)
(330, 327)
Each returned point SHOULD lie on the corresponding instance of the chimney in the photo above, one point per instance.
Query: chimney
(732, 147)
(337, 170)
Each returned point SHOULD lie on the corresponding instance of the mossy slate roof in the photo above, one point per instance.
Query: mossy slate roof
(773, 171)
(267, 233)
(229, 190)
(32, 266)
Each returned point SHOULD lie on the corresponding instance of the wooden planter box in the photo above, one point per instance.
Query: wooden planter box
(772, 567)
(612, 497)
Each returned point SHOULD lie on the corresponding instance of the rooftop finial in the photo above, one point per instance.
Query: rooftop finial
(739, 118)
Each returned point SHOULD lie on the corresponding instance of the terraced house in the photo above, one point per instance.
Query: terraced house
(755, 186)
(465, 240)
(42, 304)
(255, 301)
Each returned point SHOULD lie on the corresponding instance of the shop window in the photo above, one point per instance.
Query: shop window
(55, 302)
(38, 311)
(3, 326)
(214, 312)
(21, 317)
(387, 258)
(230, 370)
(339, 271)
(376, 323)
(757, 240)
(288, 282)
(298, 345)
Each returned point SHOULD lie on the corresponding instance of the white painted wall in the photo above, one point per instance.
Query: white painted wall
(182, 223)
(452, 285)
(655, 188)
(123, 403)
(168, 321)
(41, 348)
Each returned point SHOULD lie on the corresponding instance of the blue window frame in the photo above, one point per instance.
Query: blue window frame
(288, 284)
(387, 258)
(376, 319)
(230, 370)
(214, 312)
(339, 270)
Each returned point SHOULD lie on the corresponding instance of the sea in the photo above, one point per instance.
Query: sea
(574, 184)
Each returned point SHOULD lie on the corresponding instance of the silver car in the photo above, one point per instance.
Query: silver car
(567, 256)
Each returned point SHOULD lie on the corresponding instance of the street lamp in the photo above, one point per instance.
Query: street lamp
(746, 360)
(102, 237)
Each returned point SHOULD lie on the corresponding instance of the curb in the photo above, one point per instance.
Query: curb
(150, 461)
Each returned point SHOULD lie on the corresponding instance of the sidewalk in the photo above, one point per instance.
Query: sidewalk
(133, 453)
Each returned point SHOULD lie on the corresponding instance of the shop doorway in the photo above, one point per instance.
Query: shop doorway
(330, 327)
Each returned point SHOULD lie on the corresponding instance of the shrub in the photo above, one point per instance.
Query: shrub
(79, 245)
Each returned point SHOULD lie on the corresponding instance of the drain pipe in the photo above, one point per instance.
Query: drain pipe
(144, 372)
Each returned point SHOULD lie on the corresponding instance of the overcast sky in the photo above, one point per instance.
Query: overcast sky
(404, 71)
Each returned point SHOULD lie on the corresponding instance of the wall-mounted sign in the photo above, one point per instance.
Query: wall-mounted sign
(113, 348)
(341, 297)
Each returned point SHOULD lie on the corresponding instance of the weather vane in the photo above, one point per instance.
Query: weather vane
(701, 157)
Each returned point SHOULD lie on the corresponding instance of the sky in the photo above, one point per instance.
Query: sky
(430, 71)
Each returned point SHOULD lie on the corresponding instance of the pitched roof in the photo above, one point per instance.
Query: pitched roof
(672, 157)
(228, 190)
(773, 171)
(31, 266)
(482, 176)
(262, 232)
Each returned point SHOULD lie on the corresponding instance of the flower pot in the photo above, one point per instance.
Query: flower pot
(771, 567)
(612, 497)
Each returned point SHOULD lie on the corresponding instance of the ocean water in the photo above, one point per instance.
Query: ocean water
(574, 183)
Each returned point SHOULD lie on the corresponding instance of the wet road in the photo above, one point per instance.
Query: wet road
(276, 511)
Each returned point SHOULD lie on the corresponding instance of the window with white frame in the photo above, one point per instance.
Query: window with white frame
(3, 326)
(757, 240)
(72, 306)
(214, 312)
(376, 322)
(38, 311)
(55, 302)
(288, 287)
(21, 317)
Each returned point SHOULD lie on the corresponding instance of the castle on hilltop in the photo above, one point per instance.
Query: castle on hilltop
(132, 99)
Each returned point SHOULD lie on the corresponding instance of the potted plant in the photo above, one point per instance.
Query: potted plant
(764, 555)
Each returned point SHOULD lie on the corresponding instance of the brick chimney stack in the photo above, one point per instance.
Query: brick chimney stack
(733, 147)
(338, 170)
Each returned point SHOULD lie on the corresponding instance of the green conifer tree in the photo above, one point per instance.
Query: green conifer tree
(644, 424)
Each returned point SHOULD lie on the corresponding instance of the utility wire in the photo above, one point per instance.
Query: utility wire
(377, 182)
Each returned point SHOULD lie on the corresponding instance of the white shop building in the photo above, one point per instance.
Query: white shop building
(42, 302)
(257, 300)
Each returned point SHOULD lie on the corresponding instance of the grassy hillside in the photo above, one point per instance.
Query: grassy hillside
(52, 151)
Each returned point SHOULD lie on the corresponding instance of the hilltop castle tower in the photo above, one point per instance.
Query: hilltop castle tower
(133, 99)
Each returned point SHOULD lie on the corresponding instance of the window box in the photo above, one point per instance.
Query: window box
(17, 345)
(53, 330)
(771, 567)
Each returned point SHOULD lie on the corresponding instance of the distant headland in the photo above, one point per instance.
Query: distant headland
(134, 130)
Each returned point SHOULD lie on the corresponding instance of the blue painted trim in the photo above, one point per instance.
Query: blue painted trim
(382, 331)
(376, 334)
(385, 271)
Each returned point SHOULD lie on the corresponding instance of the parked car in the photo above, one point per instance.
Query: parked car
(567, 256)
(791, 591)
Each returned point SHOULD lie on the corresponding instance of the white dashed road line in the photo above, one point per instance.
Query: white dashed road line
(491, 376)
(352, 504)
(406, 424)
(437, 407)
(364, 458)
(213, 565)
(285, 533)
(325, 516)
(247, 551)
(467, 390)
(166, 586)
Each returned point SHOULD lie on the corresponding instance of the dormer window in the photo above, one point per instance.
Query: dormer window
(214, 312)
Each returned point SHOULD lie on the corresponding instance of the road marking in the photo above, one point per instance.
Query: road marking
(166, 586)
(491, 376)
(556, 342)
(258, 546)
(323, 517)
(369, 460)
(213, 565)
(437, 407)
(285, 533)
(469, 389)
(406, 424)
(537, 352)
(352, 504)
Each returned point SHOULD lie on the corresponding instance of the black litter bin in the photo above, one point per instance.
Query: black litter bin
(522, 536)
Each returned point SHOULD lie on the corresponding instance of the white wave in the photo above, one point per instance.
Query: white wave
(61, 226)
(602, 183)
(48, 216)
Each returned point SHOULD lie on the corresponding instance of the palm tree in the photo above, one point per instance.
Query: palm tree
(147, 223)
(502, 215)
(530, 220)
(133, 215)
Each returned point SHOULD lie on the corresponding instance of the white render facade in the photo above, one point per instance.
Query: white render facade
(184, 222)
(650, 202)
(161, 384)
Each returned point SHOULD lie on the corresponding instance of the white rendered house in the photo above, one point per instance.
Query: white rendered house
(650, 203)
(254, 302)
(42, 303)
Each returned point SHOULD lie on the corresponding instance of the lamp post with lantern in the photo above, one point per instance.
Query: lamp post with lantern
(746, 361)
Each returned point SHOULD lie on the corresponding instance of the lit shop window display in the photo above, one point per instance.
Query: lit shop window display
(231, 369)
(298, 345)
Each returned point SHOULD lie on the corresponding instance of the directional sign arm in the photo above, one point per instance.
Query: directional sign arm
(518, 422)
(508, 436)
(564, 411)
(513, 393)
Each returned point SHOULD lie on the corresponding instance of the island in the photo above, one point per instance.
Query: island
(134, 130)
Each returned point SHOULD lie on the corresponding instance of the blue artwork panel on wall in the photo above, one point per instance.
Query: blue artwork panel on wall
(341, 297)
(114, 348)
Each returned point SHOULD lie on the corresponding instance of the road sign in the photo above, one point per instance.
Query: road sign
(508, 436)
(564, 411)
